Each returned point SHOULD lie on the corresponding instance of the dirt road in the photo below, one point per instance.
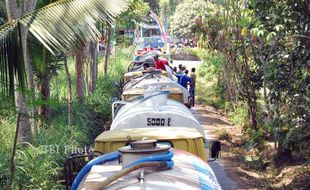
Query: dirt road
(212, 120)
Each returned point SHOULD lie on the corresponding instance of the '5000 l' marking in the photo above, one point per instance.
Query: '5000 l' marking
(158, 121)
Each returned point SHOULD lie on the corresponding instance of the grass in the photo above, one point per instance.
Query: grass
(39, 165)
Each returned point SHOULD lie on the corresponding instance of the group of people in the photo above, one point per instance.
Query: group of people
(185, 80)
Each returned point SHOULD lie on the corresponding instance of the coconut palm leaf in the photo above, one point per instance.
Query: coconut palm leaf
(44, 63)
(62, 26)
(68, 24)
(11, 60)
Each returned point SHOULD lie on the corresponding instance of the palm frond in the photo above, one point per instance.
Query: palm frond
(66, 25)
(62, 26)
(44, 63)
(11, 60)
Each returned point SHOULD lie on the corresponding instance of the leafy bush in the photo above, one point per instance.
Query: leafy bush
(297, 140)
(240, 115)
(39, 165)
(211, 95)
(223, 134)
(210, 90)
(124, 40)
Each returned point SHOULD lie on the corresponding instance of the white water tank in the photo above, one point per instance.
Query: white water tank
(157, 80)
(157, 111)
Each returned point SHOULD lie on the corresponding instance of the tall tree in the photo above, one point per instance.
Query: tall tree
(107, 48)
(16, 10)
(93, 67)
(79, 69)
(70, 114)
(284, 34)
(184, 19)
(45, 66)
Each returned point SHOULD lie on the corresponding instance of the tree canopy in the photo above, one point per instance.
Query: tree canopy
(185, 17)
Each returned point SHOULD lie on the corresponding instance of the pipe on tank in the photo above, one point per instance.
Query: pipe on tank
(99, 160)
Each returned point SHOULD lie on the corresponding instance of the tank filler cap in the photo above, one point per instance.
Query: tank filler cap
(144, 146)
(140, 149)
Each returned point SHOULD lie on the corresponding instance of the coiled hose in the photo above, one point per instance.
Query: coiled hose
(162, 161)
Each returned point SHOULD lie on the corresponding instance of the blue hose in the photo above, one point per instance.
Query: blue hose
(159, 158)
(166, 158)
(101, 159)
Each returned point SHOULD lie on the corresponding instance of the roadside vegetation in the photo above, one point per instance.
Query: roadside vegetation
(256, 70)
(39, 165)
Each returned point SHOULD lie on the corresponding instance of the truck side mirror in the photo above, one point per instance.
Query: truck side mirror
(117, 85)
(214, 149)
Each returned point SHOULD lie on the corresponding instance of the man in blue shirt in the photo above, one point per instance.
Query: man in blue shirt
(185, 80)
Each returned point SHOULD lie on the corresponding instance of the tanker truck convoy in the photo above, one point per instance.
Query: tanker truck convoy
(154, 141)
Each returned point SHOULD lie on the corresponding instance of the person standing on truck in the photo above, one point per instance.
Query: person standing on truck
(185, 80)
(160, 63)
(193, 85)
(180, 71)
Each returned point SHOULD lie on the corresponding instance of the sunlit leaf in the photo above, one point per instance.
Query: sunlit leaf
(279, 27)
(254, 31)
(244, 31)
(260, 33)
(270, 35)
(62, 26)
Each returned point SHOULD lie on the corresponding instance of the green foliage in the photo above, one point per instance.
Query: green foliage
(287, 72)
(211, 66)
(124, 40)
(7, 137)
(39, 165)
(240, 115)
(210, 90)
(184, 20)
(101, 99)
(45, 65)
(265, 45)
(35, 169)
(297, 140)
(211, 94)
(137, 10)
(7, 113)
(223, 134)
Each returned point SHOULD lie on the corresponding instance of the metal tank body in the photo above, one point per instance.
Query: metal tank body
(157, 111)
(156, 81)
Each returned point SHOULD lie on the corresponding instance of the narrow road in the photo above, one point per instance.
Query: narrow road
(211, 120)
